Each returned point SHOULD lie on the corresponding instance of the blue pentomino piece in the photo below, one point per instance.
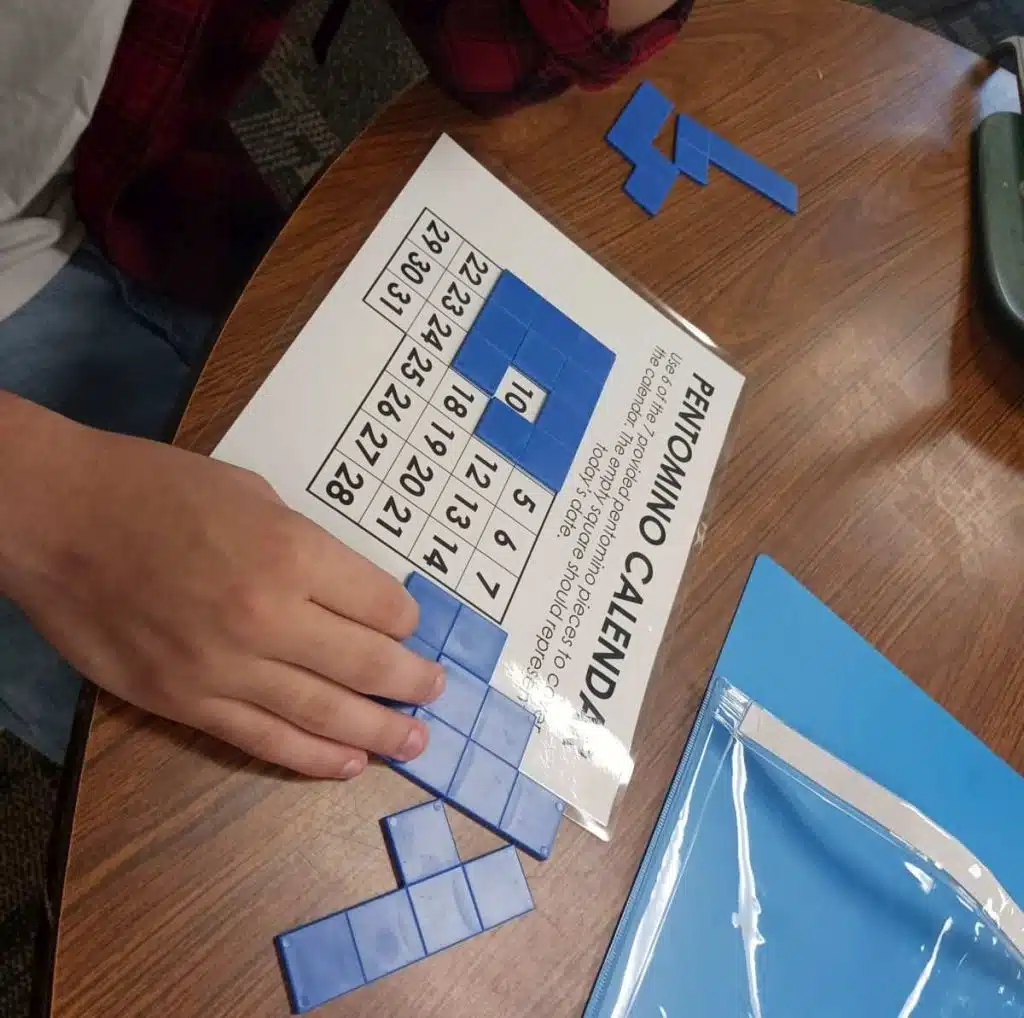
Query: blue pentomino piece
(749, 171)
(462, 698)
(651, 181)
(547, 459)
(482, 784)
(503, 727)
(499, 327)
(475, 642)
(580, 386)
(563, 419)
(503, 429)
(484, 365)
(435, 767)
(438, 609)
(445, 910)
(420, 842)
(518, 299)
(532, 816)
(319, 961)
(539, 359)
(638, 124)
(386, 934)
(690, 132)
(592, 355)
(499, 887)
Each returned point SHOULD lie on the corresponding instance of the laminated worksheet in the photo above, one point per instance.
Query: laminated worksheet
(479, 402)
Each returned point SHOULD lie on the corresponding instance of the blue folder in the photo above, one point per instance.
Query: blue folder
(760, 897)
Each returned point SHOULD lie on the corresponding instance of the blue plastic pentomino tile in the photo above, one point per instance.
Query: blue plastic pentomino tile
(475, 642)
(420, 841)
(319, 961)
(503, 429)
(532, 817)
(435, 767)
(445, 910)
(462, 698)
(483, 364)
(437, 607)
(504, 727)
(386, 934)
(499, 887)
(482, 784)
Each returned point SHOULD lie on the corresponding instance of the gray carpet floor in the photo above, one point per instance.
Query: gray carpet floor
(296, 116)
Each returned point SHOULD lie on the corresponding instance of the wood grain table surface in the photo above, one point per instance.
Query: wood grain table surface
(879, 456)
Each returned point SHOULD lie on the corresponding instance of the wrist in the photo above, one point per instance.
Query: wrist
(33, 441)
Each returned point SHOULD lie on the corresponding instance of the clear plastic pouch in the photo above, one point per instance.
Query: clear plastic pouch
(780, 884)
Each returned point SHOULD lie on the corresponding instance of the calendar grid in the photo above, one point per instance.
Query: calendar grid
(407, 467)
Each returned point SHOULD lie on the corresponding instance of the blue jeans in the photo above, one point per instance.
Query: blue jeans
(103, 351)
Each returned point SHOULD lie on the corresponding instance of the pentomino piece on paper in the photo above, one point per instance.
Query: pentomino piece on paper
(480, 403)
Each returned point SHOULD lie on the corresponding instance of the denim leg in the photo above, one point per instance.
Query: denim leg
(104, 352)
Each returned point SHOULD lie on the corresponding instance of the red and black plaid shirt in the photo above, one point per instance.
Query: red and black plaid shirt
(172, 200)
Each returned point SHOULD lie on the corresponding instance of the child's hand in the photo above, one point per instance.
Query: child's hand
(186, 587)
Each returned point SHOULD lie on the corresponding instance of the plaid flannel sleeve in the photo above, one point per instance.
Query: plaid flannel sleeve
(497, 55)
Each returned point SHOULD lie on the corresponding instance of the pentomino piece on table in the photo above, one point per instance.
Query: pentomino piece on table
(695, 148)
(477, 735)
(447, 902)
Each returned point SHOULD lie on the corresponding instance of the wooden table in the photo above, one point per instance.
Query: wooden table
(879, 457)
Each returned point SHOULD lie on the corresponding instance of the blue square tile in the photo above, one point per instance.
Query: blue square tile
(592, 355)
(539, 360)
(651, 182)
(484, 365)
(504, 727)
(438, 609)
(518, 299)
(547, 459)
(445, 910)
(531, 817)
(499, 887)
(387, 937)
(475, 643)
(319, 961)
(420, 841)
(503, 429)
(580, 386)
(435, 767)
(462, 698)
(557, 328)
(562, 419)
(482, 784)
(500, 328)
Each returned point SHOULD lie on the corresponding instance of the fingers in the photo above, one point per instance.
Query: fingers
(345, 583)
(269, 737)
(326, 709)
(358, 657)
